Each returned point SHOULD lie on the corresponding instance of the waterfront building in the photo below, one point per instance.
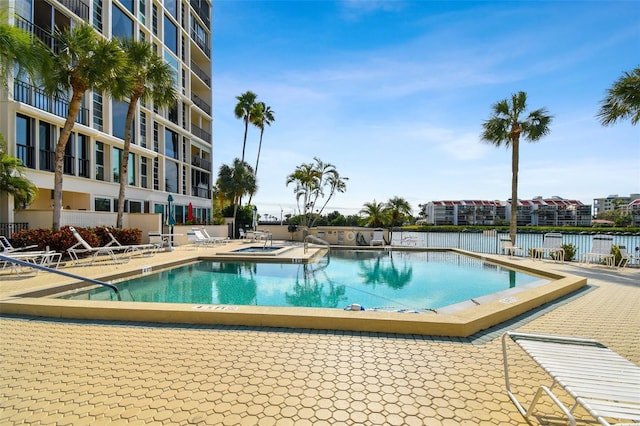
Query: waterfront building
(171, 149)
(612, 202)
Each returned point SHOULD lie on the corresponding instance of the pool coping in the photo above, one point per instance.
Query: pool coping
(465, 321)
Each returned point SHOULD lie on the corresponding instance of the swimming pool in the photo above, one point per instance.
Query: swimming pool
(405, 281)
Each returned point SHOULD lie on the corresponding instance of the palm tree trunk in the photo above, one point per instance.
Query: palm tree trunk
(257, 160)
(124, 161)
(72, 113)
(515, 155)
(244, 143)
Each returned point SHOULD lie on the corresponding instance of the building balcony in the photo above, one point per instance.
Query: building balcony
(206, 79)
(201, 162)
(200, 133)
(79, 7)
(201, 192)
(200, 103)
(36, 97)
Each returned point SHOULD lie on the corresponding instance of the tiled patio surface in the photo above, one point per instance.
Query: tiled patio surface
(81, 372)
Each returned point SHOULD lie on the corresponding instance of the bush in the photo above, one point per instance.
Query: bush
(569, 252)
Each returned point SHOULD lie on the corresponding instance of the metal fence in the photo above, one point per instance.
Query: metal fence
(489, 241)
(7, 229)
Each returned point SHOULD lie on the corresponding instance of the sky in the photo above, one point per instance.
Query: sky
(394, 95)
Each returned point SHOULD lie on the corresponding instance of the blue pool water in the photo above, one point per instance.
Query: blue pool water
(398, 280)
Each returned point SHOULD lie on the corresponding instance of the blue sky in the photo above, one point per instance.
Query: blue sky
(394, 94)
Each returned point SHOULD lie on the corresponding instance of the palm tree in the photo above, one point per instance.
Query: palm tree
(234, 182)
(397, 208)
(262, 114)
(18, 47)
(150, 78)
(623, 100)
(312, 182)
(243, 111)
(375, 214)
(84, 62)
(505, 127)
(12, 180)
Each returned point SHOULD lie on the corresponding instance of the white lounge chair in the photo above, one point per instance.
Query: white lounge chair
(625, 256)
(378, 238)
(8, 248)
(196, 237)
(551, 245)
(507, 248)
(215, 240)
(83, 247)
(598, 379)
(144, 250)
(49, 259)
(600, 250)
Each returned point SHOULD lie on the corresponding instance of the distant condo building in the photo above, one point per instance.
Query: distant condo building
(554, 211)
(613, 202)
(171, 150)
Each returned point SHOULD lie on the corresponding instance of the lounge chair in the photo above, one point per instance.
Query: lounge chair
(551, 245)
(378, 238)
(49, 259)
(216, 240)
(507, 248)
(144, 250)
(625, 256)
(197, 238)
(600, 250)
(598, 379)
(8, 248)
(83, 247)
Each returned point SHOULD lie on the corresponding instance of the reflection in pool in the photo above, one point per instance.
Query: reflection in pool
(386, 280)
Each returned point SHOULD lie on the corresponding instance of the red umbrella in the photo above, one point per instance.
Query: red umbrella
(190, 213)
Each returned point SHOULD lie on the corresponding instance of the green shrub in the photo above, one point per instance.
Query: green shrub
(569, 252)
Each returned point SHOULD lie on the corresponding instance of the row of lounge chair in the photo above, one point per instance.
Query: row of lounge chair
(601, 248)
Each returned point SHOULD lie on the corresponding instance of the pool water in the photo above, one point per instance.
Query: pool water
(396, 281)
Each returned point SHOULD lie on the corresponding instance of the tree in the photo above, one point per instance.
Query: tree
(18, 48)
(623, 100)
(262, 114)
(84, 61)
(375, 214)
(505, 127)
(12, 179)
(398, 208)
(234, 182)
(243, 110)
(150, 78)
(314, 181)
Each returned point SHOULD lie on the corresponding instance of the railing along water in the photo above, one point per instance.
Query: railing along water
(10, 259)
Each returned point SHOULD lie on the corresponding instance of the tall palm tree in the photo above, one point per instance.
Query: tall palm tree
(85, 61)
(375, 214)
(12, 179)
(505, 127)
(397, 208)
(18, 47)
(150, 79)
(243, 110)
(234, 182)
(623, 100)
(262, 114)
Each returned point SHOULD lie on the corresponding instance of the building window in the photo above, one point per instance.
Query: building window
(171, 176)
(47, 147)
(128, 4)
(135, 207)
(131, 170)
(83, 156)
(173, 62)
(156, 175)
(97, 111)
(116, 156)
(25, 150)
(154, 20)
(99, 161)
(119, 117)
(143, 129)
(102, 204)
(170, 35)
(69, 155)
(156, 136)
(122, 25)
(171, 144)
(142, 12)
(97, 14)
(172, 7)
(143, 172)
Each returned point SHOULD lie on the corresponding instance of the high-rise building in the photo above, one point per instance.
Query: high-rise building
(171, 149)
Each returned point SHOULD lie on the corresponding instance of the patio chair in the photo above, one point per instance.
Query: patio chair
(551, 245)
(598, 379)
(625, 256)
(378, 238)
(50, 259)
(8, 248)
(507, 248)
(144, 250)
(197, 238)
(83, 247)
(216, 240)
(600, 250)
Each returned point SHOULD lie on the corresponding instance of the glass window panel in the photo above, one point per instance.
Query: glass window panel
(122, 25)
(170, 35)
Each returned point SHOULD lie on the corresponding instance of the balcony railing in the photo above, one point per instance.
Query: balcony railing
(201, 103)
(44, 35)
(202, 44)
(200, 133)
(200, 162)
(36, 97)
(78, 7)
(202, 12)
(197, 191)
(201, 74)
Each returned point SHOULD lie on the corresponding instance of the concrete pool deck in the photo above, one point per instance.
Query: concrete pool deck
(86, 372)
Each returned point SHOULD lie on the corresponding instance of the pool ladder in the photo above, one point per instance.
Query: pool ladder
(315, 240)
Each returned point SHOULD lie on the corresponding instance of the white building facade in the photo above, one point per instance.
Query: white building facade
(172, 148)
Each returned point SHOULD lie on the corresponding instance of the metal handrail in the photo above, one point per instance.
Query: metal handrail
(315, 240)
(56, 271)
